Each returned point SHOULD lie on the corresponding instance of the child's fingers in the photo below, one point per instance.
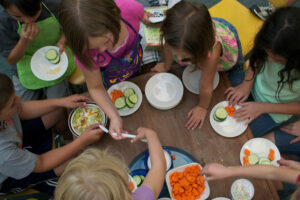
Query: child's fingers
(297, 139)
(201, 124)
(190, 114)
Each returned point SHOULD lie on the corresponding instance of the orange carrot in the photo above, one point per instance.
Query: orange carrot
(188, 184)
(247, 152)
(230, 110)
(271, 155)
(116, 94)
(246, 161)
(131, 186)
(173, 157)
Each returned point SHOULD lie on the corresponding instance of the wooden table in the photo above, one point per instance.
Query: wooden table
(204, 144)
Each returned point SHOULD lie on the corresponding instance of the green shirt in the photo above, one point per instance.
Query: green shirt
(265, 86)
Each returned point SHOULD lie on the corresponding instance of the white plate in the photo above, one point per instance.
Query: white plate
(205, 193)
(43, 69)
(269, 144)
(191, 79)
(230, 127)
(220, 198)
(164, 91)
(122, 86)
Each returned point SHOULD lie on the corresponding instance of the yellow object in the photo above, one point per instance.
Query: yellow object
(246, 24)
(77, 77)
(20, 194)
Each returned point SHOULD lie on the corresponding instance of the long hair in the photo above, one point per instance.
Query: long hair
(94, 175)
(82, 19)
(280, 35)
(188, 26)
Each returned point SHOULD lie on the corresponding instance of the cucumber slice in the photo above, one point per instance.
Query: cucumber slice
(137, 179)
(264, 161)
(216, 118)
(120, 103)
(128, 91)
(51, 54)
(221, 113)
(128, 103)
(142, 177)
(133, 98)
(253, 159)
(55, 61)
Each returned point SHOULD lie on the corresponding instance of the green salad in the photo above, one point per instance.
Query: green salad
(86, 116)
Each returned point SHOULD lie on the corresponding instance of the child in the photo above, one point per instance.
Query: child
(97, 175)
(26, 155)
(103, 35)
(273, 80)
(191, 36)
(289, 173)
(25, 27)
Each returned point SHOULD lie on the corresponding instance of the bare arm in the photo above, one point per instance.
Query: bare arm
(56, 157)
(216, 171)
(100, 96)
(33, 109)
(168, 60)
(156, 175)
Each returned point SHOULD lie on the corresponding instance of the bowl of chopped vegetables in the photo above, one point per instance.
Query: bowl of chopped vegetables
(185, 182)
(82, 117)
(242, 189)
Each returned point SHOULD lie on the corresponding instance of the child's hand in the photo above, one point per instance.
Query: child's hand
(289, 163)
(145, 19)
(116, 126)
(142, 133)
(238, 94)
(74, 101)
(160, 67)
(249, 111)
(91, 135)
(61, 46)
(196, 117)
(214, 171)
(29, 31)
(293, 129)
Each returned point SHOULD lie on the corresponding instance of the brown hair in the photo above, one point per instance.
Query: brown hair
(188, 26)
(6, 90)
(81, 19)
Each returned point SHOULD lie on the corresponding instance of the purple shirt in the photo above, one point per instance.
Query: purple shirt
(143, 193)
(133, 13)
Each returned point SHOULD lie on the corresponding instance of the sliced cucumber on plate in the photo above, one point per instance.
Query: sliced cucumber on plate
(52, 56)
(220, 114)
(138, 179)
(128, 91)
(120, 103)
(253, 159)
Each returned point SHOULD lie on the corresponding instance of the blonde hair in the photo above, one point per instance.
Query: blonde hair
(81, 19)
(94, 175)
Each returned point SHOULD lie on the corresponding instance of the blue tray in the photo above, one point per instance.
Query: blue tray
(182, 158)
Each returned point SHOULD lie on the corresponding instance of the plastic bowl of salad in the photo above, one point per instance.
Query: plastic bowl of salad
(82, 117)
(242, 189)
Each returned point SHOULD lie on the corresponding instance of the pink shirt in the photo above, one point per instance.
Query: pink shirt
(133, 13)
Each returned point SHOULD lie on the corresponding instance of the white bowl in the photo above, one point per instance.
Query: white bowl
(164, 91)
(242, 184)
(205, 193)
(168, 161)
(75, 132)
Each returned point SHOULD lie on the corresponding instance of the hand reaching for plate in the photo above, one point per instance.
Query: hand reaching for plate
(214, 171)
(293, 129)
(74, 101)
(249, 111)
(196, 118)
(116, 126)
(238, 94)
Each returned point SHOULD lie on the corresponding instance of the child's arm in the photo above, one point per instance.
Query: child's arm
(33, 109)
(198, 113)
(217, 171)
(251, 110)
(164, 66)
(56, 157)
(100, 96)
(240, 93)
(156, 175)
(28, 33)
